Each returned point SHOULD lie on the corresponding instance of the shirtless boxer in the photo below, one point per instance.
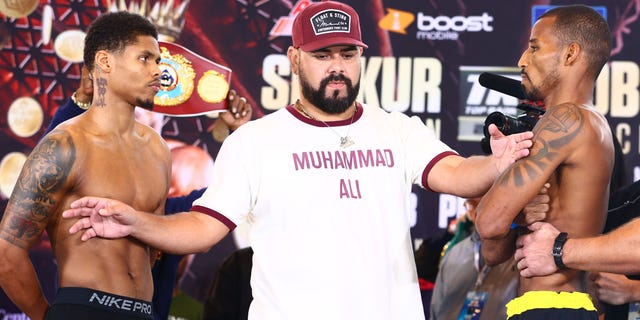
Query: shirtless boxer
(103, 151)
(572, 149)
(265, 180)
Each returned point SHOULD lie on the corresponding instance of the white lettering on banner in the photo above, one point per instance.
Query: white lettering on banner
(276, 95)
(617, 95)
(624, 89)
(436, 35)
(601, 92)
(636, 173)
(616, 91)
(427, 77)
(479, 95)
(425, 82)
(395, 91)
(623, 133)
(406, 83)
(456, 23)
(449, 206)
(5, 315)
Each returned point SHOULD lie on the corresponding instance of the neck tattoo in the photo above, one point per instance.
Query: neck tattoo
(345, 141)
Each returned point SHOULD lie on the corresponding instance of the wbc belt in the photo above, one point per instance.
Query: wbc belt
(190, 84)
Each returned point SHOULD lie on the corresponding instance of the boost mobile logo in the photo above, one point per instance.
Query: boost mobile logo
(448, 28)
(396, 21)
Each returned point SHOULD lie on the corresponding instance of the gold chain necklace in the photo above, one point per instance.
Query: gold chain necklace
(345, 141)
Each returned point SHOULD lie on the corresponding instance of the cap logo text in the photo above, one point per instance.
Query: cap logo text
(329, 21)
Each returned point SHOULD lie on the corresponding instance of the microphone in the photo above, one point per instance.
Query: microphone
(502, 84)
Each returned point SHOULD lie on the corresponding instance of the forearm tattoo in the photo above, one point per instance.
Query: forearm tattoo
(33, 200)
(562, 125)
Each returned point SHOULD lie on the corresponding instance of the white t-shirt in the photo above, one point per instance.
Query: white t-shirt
(329, 226)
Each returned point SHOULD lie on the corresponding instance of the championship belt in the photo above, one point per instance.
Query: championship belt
(190, 84)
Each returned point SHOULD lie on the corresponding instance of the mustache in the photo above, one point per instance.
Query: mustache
(335, 77)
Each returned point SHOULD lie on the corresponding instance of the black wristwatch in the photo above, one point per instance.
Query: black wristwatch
(558, 244)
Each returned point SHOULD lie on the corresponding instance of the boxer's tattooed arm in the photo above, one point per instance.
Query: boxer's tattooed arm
(34, 196)
(559, 127)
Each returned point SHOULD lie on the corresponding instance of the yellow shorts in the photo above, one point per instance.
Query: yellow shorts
(551, 305)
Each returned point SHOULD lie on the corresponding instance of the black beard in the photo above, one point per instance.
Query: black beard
(145, 104)
(333, 104)
(533, 94)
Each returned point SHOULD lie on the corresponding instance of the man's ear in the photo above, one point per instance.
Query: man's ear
(103, 61)
(571, 53)
(294, 58)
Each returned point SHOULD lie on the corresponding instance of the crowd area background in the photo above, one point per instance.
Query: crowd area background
(424, 59)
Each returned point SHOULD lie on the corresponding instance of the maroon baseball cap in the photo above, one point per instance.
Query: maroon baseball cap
(324, 24)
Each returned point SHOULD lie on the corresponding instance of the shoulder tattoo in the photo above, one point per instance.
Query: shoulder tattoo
(38, 188)
(555, 130)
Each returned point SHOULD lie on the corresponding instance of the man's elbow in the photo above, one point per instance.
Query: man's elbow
(214, 232)
(490, 230)
(492, 258)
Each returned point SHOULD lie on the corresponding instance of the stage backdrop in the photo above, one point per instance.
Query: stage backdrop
(424, 59)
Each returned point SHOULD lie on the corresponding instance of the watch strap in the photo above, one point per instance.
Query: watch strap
(558, 245)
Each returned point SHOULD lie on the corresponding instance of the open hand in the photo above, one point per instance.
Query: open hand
(507, 149)
(100, 217)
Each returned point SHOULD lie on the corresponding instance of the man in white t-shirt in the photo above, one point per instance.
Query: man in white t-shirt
(325, 186)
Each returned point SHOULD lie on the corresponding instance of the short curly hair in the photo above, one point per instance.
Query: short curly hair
(113, 32)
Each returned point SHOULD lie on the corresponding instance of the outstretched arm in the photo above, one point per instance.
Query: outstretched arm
(471, 177)
(614, 288)
(180, 233)
(616, 251)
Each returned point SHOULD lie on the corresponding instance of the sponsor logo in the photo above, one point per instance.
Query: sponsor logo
(449, 28)
(120, 303)
(396, 21)
(477, 102)
(5, 315)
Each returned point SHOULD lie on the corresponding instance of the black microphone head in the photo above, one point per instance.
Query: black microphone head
(502, 84)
